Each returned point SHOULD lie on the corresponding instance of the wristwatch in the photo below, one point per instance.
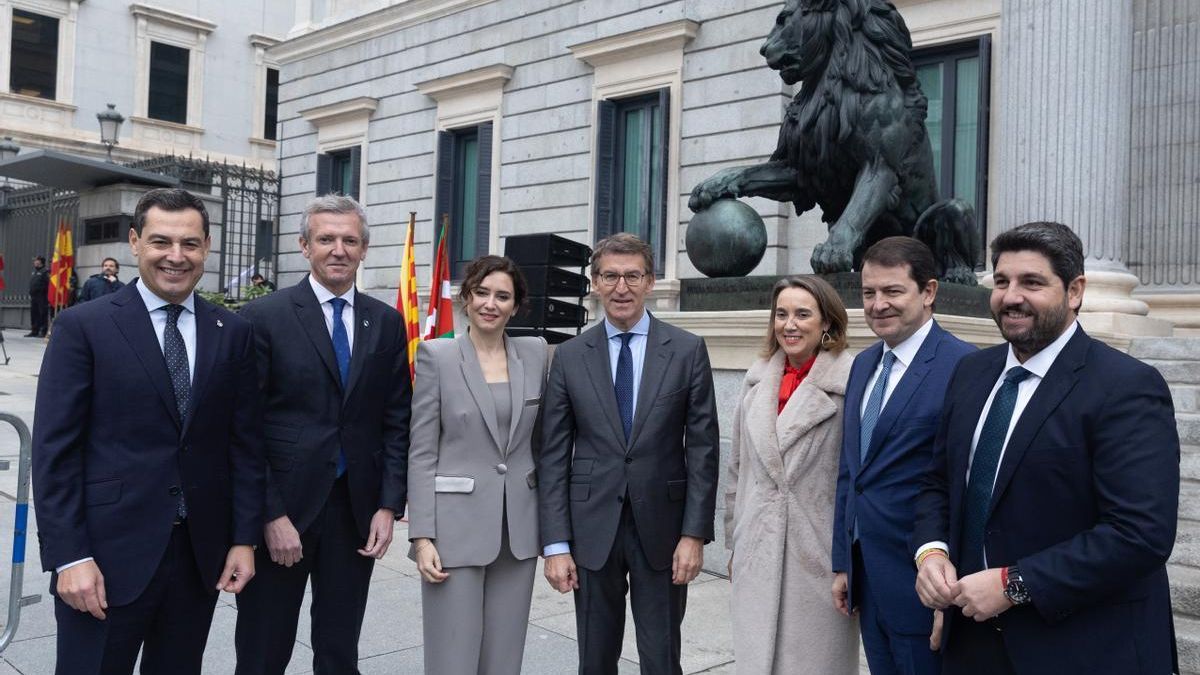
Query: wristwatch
(1014, 587)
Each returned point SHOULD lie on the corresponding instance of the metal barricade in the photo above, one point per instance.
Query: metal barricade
(16, 584)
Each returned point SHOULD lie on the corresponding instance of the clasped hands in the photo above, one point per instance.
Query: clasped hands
(980, 596)
(685, 565)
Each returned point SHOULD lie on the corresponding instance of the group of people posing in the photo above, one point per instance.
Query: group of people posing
(1009, 510)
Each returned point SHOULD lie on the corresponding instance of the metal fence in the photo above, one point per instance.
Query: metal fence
(30, 218)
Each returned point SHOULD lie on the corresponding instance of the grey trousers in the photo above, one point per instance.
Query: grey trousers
(475, 620)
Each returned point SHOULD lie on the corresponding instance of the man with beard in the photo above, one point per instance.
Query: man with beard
(102, 284)
(1047, 517)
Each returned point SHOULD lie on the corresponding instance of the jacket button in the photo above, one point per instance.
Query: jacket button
(501, 469)
(174, 490)
(620, 498)
(629, 460)
(858, 489)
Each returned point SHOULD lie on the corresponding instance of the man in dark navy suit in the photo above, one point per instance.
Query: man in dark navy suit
(333, 369)
(1046, 520)
(147, 466)
(893, 401)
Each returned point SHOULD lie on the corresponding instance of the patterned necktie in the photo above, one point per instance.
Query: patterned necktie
(874, 406)
(341, 351)
(983, 470)
(175, 351)
(624, 384)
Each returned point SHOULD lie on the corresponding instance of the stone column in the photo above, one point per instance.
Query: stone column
(1064, 139)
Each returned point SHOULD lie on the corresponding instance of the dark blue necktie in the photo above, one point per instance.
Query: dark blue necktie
(341, 351)
(874, 406)
(624, 384)
(175, 351)
(983, 470)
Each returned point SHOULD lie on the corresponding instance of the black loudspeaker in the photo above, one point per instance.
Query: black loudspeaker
(546, 280)
(540, 312)
(546, 249)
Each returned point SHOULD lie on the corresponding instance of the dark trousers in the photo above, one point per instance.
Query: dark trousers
(168, 622)
(888, 652)
(269, 607)
(658, 607)
(975, 649)
(39, 314)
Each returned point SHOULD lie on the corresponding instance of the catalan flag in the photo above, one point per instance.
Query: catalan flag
(406, 299)
(59, 292)
(439, 320)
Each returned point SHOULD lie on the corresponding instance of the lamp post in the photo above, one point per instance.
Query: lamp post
(110, 127)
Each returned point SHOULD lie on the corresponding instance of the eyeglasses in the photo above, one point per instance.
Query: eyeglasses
(632, 279)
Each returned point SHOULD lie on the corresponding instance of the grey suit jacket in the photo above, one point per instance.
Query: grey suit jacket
(668, 468)
(462, 474)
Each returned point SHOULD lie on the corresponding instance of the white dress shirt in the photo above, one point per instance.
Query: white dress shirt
(324, 295)
(905, 353)
(1037, 365)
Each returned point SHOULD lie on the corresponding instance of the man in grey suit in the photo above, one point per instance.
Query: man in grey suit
(632, 506)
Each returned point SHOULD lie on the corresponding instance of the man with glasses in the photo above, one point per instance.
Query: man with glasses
(628, 468)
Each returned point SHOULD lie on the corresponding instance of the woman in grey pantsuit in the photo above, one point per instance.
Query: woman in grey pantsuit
(472, 501)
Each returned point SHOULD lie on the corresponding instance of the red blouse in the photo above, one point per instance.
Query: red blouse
(792, 377)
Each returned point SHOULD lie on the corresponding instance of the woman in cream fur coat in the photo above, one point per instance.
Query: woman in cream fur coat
(782, 477)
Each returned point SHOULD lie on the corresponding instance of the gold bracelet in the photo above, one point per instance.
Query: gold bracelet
(931, 552)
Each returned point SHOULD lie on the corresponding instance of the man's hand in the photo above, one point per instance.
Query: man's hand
(935, 582)
(239, 569)
(283, 542)
(981, 595)
(688, 558)
(935, 636)
(841, 593)
(82, 587)
(561, 573)
(380, 538)
(429, 563)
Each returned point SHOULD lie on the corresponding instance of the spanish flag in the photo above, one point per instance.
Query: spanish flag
(59, 292)
(439, 320)
(406, 299)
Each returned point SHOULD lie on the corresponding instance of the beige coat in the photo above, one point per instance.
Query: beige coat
(779, 523)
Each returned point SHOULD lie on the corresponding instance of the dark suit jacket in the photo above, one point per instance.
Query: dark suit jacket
(668, 468)
(880, 491)
(1085, 503)
(110, 457)
(308, 416)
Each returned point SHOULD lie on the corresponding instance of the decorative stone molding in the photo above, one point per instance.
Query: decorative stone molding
(261, 43)
(172, 19)
(67, 13)
(155, 24)
(635, 63)
(353, 109)
(165, 137)
(1182, 309)
(35, 115)
(342, 125)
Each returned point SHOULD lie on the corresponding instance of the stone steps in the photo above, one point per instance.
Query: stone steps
(1189, 428)
(1187, 640)
(1167, 349)
(1177, 372)
(1186, 397)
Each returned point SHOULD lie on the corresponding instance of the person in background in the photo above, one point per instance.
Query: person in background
(472, 484)
(102, 284)
(781, 480)
(261, 281)
(39, 303)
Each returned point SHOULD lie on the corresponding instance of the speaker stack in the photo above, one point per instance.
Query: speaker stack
(556, 295)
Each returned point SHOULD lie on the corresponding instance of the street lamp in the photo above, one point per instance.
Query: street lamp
(110, 127)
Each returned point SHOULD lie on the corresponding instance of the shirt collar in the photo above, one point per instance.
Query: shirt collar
(324, 295)
(642, 327)
(1039, 364)
(154, 302)
(907, 351)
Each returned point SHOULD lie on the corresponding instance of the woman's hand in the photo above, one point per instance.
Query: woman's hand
(429, 563)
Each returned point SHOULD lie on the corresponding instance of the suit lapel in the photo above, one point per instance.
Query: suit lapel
(855, 391)
(516, 391)
(133, 321)
(1059, 382)
(207, 338)
(654, 370)
(312, 319)
(478, 387)
(599, 370)
(913, 376)
(808, 406)
(762, 418)
(364, 331)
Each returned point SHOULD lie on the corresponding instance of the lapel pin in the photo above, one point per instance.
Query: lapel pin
(366, 323)
(220, 324)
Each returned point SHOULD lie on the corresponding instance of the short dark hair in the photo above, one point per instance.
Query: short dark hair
(167, 199)
(1056, 241)
(478, 270)
(900, 251)
(115, 262)
(256, 276)
(829, 304)
(40, 258)
(622, 243)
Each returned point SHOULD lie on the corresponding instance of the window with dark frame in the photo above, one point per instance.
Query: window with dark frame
(339, 172)
(33, 70)
(464, 192)
(168, 100)
(631, 161)
(956, 79)
(106, 230)
(270, 115)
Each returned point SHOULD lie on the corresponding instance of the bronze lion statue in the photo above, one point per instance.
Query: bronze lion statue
(853, 139)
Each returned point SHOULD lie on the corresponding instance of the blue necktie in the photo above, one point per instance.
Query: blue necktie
(874, 406)
(175, 351)
(624, 384)
(341, 351)
(983, 470)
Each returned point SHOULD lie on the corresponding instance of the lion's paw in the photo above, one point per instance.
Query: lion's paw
(828, 258)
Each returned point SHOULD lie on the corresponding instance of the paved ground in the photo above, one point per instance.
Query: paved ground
(391, 640)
